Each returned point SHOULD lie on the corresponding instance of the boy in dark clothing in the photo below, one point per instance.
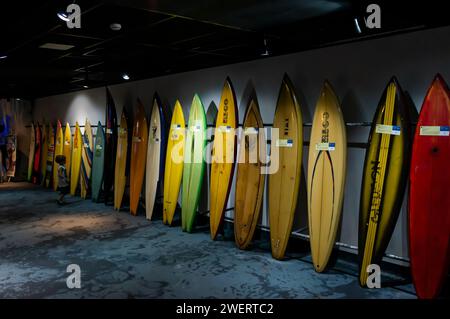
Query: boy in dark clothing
(63, 184)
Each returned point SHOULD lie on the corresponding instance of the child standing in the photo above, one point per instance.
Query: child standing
(63, 185)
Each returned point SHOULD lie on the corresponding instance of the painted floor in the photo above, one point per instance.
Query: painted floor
(121, 256)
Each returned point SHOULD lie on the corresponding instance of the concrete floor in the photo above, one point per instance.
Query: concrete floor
(122, 256)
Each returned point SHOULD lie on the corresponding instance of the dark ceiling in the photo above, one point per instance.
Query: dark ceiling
(169, 36)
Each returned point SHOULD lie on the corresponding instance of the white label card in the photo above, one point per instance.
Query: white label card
(325, 146)
(284, 143)
(251, 131)
(224, 129)
(387, 129)
(435, 130)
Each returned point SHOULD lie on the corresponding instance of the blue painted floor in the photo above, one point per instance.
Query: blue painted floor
(122, 256)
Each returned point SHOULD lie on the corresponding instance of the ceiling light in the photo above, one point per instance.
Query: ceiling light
(358, 29)
(17, 99)
(115, 26)
(63, 16)
(266, 50)
(86, 86)
(125, 76)
(3, 56)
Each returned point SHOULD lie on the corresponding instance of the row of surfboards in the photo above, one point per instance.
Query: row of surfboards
(86, 162)
(169, 157)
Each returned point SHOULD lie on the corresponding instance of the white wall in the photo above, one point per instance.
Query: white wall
(359, 73)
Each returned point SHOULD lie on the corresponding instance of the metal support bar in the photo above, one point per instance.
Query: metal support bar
(299, 234)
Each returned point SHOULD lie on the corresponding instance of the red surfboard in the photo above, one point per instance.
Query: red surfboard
(37, 156)
(429, 200)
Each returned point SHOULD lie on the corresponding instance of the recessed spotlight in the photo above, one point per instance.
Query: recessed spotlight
(63, 16)
(125, 76)
(115, 26)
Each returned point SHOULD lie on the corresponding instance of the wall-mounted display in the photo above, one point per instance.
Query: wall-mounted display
(194, 164)
(168, 156)
(76, 159)
(385, 174)
(86, 160)
(110, 146)
(59, 150)
(98, 161)
(326, 175)
(250, 177)
(174, 163)
(138, 156)
(284, 183)
(223, 157)
(122, 162)
(156, 151)
(429, 200)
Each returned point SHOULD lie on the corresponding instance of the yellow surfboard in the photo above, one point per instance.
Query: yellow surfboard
(76, 160)
(58, 151)
(223, 157)
(50, 156)
(86, 159)
(120, 177)
(67, 149)
(286, 156)
(174, 163)
(326, 176)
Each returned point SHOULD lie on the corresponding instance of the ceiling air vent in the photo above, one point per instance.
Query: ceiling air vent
(56, 46)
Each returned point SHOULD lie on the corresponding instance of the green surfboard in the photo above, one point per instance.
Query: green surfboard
(98, 162)
(194, 163)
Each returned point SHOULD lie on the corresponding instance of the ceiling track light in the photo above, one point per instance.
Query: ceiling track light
(63, 15)
(358, 28)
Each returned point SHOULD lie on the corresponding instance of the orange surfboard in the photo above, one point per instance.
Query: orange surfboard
(138, 157)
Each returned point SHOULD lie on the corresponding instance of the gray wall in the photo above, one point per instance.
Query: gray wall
(20, 112)
(359, 73)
